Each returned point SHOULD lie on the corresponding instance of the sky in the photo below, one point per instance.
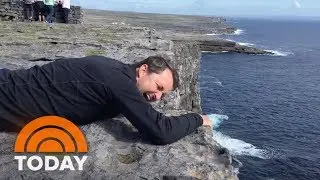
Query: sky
(240, 8)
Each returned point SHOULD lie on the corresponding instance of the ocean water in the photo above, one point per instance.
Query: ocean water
(273, 102)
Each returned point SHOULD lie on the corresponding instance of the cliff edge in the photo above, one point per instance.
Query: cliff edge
(116, 149)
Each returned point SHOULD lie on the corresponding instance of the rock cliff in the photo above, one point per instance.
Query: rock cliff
(116, 149)
(179, 28)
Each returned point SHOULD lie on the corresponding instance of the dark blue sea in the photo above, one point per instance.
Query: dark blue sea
(273, 102)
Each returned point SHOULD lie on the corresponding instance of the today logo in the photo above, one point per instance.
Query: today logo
(50, 134)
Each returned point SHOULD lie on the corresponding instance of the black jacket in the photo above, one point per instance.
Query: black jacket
(84, 90)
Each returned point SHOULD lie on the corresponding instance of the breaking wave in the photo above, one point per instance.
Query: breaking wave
(211, 34)
(214, 52)
(238, 147)
(279, 53)
(246, 44)
(238, 32)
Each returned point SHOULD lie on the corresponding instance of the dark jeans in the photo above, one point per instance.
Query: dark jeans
(39, 9)
(28, 11)
(49, 13)
(65, 15)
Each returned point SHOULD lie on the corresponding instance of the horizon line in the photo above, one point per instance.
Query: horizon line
(282, 17)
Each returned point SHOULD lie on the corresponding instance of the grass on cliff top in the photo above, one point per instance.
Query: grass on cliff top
(36, 32)
(90, 52)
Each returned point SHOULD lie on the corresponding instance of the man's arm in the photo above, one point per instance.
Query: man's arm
(160, 129)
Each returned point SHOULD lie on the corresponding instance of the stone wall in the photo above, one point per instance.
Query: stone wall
(13, 10)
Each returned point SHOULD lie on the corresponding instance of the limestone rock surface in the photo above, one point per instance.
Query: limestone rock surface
(116, 149)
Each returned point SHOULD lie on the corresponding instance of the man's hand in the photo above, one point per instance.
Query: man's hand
(206, 120)
(213, 120)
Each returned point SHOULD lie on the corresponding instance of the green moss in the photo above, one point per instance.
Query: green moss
(90, 52)
(103, 40)
(102, 37)
(129, 158)
(28, 38)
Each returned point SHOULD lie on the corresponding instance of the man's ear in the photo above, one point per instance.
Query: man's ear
(143, 70)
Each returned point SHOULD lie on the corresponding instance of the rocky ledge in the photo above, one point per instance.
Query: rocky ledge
(116, 149)
(208, 43)
(179, 28)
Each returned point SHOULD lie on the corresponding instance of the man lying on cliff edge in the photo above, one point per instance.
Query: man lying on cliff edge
(96, 87)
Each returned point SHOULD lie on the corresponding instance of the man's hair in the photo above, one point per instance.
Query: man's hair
(157, 64)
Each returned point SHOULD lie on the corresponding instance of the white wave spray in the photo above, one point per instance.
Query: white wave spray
(279, 53)
(246, 44)
(218, 52)
(212, 34)
(238, 32)
(238, 147)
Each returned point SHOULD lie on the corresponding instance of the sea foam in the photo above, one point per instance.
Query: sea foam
(238, 32)
(246, 44)
(238, 147)
(210, 52)
(279, 53)
(212, 34)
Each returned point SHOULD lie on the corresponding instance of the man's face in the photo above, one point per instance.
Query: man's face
(152, 85)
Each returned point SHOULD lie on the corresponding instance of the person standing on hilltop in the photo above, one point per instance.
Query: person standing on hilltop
(28, 9)
(49, 10)
(39, 7)
(65, 4)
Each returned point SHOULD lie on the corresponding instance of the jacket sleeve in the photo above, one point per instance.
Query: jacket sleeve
(160, 129)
